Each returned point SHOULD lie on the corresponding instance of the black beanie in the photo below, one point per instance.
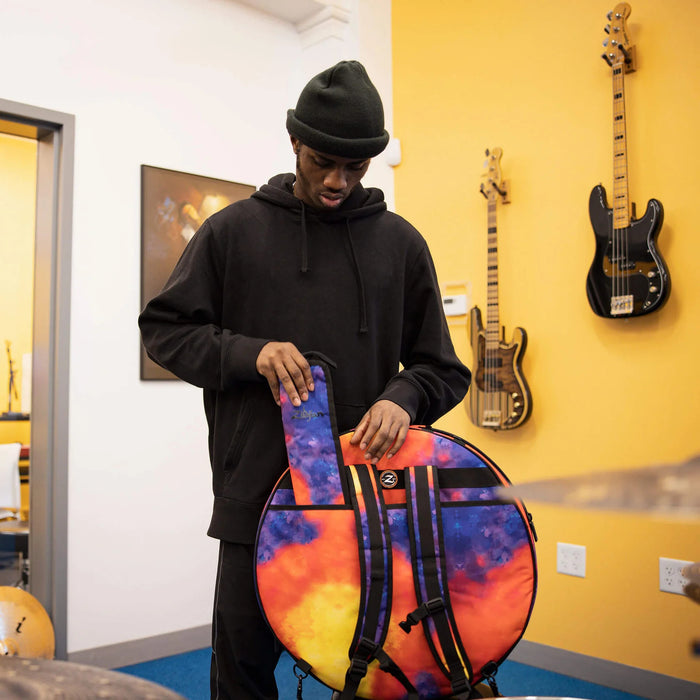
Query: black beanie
(339, 112)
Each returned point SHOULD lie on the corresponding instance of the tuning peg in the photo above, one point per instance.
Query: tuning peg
(609, 15)
(605, 42)
(606, 29)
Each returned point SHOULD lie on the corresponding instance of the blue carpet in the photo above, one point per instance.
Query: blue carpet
(188, 674)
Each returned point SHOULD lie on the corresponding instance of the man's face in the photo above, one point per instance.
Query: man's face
(325, 181)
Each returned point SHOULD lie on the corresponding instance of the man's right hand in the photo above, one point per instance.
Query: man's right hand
(282, 362)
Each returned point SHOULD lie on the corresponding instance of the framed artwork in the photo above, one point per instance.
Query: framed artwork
(173, 206)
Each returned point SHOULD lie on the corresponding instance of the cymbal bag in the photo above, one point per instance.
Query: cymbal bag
(405, 579)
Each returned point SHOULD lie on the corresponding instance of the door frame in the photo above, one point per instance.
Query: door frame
(48, 505)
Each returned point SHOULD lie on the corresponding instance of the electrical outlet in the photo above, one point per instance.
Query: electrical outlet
(671, 580)
(571, 559)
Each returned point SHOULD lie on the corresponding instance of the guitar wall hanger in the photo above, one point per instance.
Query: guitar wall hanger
(503, 190)
(629, 53)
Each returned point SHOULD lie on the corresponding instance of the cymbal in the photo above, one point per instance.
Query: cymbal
(692, 591)
(45, 679)
(25, 627)
(692, 572)
(671, 489)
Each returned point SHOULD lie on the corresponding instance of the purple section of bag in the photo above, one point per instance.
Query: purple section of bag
(311, 446)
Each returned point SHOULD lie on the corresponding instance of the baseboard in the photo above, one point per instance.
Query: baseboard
(638, 681)
(629, 679)
(139, 650)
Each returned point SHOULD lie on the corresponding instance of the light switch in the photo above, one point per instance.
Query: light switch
(455, 305)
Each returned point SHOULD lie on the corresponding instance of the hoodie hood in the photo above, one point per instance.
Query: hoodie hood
(361, 202)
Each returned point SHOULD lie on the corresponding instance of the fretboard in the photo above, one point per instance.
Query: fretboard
(621, 207)
(493, 323)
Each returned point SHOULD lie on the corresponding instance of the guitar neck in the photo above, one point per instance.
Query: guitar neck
(493, 324)
(621, 202)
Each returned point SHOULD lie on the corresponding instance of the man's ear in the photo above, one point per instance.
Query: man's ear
(295, 144)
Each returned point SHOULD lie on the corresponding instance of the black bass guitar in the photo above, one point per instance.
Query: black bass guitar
(499, 397)
(628, 276)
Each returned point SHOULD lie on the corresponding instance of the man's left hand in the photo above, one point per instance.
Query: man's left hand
(382, 430)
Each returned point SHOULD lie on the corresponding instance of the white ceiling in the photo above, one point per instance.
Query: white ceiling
(293, 11)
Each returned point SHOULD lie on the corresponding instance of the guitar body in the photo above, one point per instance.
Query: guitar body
(638, 270)
(499, 397)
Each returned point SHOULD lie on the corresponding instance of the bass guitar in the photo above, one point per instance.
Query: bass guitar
(499, 397)
(628, 276)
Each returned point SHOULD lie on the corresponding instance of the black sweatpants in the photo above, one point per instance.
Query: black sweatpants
(244, 650)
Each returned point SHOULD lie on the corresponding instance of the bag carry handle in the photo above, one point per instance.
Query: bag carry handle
(311, 436)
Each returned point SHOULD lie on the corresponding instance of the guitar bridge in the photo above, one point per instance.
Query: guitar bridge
(491, 419)
(619, 306)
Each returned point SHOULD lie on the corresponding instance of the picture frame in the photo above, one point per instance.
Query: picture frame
(173, 206)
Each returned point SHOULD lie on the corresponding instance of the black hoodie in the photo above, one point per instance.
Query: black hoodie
(356, 284)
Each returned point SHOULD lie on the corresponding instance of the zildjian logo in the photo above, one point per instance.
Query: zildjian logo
(389, 479)
(307, 415)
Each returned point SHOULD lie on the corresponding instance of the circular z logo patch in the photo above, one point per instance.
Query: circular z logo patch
(389, 479)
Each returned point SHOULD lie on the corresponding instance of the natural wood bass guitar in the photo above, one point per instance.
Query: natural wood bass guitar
(499, 397)
(628, 276)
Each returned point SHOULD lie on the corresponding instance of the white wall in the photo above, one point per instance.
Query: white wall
(200, 86)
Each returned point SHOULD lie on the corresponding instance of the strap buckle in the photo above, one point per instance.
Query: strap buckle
(366, 648)
(431, 607)
(461, 687)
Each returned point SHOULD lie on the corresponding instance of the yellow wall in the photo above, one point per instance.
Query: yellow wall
(17, 212)
(623, 393)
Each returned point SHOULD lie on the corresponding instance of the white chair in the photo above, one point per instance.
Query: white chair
(10, 498)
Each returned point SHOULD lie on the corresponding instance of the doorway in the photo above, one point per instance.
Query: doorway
(54, 133)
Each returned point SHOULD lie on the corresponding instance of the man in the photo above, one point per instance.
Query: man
(311, 262)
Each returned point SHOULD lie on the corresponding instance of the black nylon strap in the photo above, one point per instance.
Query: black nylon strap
(376, 583)
(456, 478)
(358, 670)
(429, 574)
(375, 574)
(377, 586)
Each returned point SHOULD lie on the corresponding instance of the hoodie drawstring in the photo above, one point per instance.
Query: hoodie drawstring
(304, 241)
(360, 284)
(363, 328)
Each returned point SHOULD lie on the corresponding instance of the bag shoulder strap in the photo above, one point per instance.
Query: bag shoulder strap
(375, 554)
(430, 579)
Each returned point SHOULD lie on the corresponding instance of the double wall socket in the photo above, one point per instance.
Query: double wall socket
(571, 559)
(671, 580)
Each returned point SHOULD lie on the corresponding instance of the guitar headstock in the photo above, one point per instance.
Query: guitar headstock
(618, 49)
(491, 183)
